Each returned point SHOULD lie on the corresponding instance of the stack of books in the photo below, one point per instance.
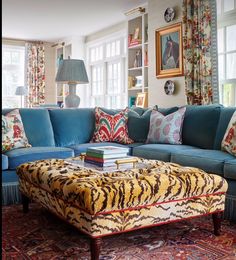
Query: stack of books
(105, 156)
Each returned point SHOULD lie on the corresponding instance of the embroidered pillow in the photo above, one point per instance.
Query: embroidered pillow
(166, 129)
(229, 141)
(111, 128)
(13, 133)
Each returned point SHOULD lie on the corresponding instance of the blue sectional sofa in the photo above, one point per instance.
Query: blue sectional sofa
(62, 133)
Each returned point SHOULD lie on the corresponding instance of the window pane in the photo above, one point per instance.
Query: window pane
(230, 38)
(221, 67)
(218, 4)
(229, 94)
(231, 66)
(220, 38)
(108, 50)
(13, 74)
(228, 5)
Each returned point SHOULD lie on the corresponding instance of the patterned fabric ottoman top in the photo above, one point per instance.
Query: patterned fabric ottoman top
(99, 192)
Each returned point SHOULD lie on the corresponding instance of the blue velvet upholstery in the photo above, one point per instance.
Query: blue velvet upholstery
(23, 155)
(225, 116)
(159, 152)
(81, 148)
(211, 161)
(4, 162)
(167, 111)
(9, 176)
(230, 169)
(37, 125)
(200, 124)
(72, 126)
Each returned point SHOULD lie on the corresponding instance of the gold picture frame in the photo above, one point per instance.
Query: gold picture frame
(169, 51)
(141, 100)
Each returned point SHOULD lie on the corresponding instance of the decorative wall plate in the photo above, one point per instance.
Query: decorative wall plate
(169, 87)
(169, 14)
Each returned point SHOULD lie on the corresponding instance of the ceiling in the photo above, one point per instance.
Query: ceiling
(52, 20)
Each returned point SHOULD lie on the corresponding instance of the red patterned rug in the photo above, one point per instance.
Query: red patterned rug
(41, 235)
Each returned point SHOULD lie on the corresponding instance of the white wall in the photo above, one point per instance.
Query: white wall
(156, 94)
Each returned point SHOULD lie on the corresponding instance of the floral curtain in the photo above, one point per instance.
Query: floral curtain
(36, 73)
(197, 51)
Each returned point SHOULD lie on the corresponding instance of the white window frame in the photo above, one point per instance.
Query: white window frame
(223, 20)
(14, 97)
(122, 36)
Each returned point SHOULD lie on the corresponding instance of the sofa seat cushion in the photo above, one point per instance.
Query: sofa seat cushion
(82, 148)
(4, 162)
(211, 161)
(23, 155)
(230, 169)
(9, 177)
(159, 151)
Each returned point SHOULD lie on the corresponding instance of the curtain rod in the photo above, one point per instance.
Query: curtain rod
(20, 40)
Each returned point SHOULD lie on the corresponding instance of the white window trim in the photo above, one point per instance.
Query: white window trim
(102, 41)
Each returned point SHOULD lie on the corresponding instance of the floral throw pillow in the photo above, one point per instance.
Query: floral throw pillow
(13, 133)
(111, 128)
(166, 129)
(229, 141)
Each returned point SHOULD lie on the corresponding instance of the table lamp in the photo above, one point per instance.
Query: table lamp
(21, 91)
(72, 72)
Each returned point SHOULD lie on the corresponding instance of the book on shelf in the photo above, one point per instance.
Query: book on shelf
(106, 156)
(108, 149)
(134, 42)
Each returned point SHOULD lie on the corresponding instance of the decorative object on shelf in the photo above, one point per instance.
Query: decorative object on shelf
(132, 101)
(138, 59)
(21, 91)
(131, 82)
(72, 72)
(169, 14)
(134, 39)
(146, 58)
(169, 87)
(60, 104)
(138, 81)
(146, 33)
(139, 10)
(141, 100)
(169, 58)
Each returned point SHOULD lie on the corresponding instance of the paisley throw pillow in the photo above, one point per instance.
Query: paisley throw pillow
(229, 141)
(13, 133)
(166, 129)
(111, 128)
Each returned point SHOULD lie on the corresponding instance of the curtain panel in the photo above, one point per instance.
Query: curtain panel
(197, 51)
(35, 73)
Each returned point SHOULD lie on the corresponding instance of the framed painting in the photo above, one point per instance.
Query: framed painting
(169, 51)
(141, 99)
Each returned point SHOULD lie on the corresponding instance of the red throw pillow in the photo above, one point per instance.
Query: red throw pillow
(111, 128)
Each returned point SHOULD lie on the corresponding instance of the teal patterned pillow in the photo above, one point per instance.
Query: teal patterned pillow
(166, 129)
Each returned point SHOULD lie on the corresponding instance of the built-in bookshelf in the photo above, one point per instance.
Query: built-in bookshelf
(137, 56)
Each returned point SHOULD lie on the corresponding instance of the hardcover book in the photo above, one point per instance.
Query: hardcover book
(108, 150)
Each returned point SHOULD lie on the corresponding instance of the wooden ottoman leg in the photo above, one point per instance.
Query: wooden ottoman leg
(25, 203)
(95, 245)
(217, 218)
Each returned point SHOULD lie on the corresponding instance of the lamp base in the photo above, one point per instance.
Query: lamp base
(72, 100)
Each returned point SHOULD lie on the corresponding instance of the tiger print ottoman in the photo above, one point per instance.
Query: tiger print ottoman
(105, 203)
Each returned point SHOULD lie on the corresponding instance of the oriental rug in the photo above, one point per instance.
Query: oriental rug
(40, 235)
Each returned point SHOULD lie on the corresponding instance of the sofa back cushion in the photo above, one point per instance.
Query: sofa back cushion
(37, 126)
(72, 126)
(200, 124)
(225, 116)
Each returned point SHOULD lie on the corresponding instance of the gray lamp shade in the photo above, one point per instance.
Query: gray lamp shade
(21, 91)
(72, 71)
